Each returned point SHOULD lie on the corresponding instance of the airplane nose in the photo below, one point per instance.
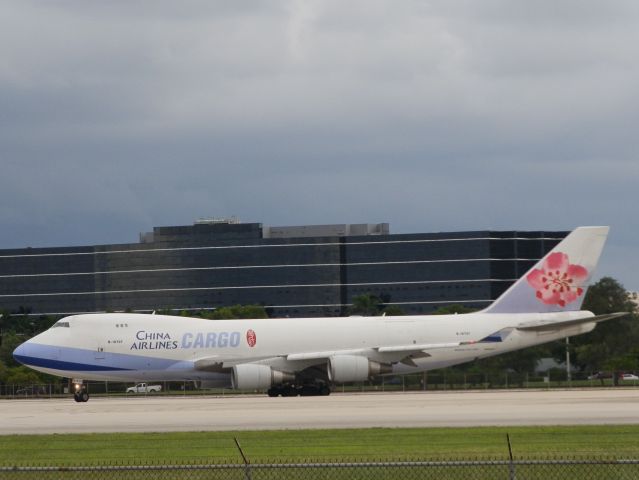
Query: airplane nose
(20, 353)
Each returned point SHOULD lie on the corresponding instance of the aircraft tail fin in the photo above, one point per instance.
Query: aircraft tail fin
(558, 282)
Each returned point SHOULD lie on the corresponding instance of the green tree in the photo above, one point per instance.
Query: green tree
(366, 305)
(628, 362)
(22, 376)
(393, 311)
(370, 305)
(10, 342)
(24, 324)
(236, 312)
(608, 296)
(520, 362)
(452, 309)
(525, 360)
(610, 344)
(4, 317)
(4, 371)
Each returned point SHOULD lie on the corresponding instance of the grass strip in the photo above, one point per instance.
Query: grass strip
(349, 445)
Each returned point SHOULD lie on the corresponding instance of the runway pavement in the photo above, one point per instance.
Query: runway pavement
(425, 409)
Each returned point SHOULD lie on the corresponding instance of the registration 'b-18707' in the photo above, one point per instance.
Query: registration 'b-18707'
(290, 356)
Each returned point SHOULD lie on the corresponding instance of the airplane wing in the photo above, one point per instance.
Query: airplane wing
(403, 349)
(418, 348)
(324, 355)
(540, 325)
(396, 353)
(300, 361)
(210, 364)
(413, 351)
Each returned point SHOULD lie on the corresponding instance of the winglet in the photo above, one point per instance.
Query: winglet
(558, 282)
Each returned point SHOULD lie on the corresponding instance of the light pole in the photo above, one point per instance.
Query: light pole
(568, 376)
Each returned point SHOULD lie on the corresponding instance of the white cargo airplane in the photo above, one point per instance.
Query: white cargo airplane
(291, 356)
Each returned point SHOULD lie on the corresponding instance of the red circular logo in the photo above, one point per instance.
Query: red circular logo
(251, 338)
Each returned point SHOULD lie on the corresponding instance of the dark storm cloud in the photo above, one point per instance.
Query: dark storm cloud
(441, 115)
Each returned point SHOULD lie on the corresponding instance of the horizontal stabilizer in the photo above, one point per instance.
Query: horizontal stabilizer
(550, 325)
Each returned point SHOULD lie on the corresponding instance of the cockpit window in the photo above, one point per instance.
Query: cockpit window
(60, 324)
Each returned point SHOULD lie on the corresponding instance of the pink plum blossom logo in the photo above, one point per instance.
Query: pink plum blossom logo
(251, 338)
(558, 282)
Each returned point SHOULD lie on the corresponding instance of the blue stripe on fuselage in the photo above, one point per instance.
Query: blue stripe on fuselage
(61, 365)
(82, 360)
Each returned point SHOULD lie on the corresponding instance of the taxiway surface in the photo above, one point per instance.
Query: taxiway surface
(248, 412)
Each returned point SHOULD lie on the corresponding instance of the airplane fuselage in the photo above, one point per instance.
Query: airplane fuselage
(138, 347)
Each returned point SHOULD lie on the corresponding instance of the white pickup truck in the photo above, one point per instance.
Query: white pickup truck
(144, 388)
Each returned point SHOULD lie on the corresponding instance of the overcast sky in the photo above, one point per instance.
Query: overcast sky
(446, 115)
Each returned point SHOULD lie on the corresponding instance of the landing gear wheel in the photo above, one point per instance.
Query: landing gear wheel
(310, 391)
(81, 395)
(273, 392)
(290, 391)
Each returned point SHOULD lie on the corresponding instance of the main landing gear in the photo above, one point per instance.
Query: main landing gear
(80, 393)
(301, 390)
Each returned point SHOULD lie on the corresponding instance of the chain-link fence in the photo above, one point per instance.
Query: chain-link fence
(110, 389)
(547, 469)
(418, 382)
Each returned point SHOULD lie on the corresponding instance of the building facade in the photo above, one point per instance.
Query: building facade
(305, 271)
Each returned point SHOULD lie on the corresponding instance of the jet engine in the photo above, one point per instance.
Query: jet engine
(251, 376)
(352, 368)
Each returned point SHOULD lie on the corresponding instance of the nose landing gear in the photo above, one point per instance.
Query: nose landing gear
(80, 393)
